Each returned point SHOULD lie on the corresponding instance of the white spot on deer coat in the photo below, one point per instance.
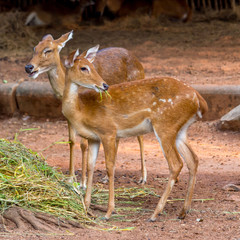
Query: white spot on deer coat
(170, 101)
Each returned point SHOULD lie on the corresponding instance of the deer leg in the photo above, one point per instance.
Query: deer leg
(175, 165)
(191, 160)
(72, 139)
(105, 179)
(143, 178)
(216, 5)
(83, 145)
(116, 147)
(93, 148)
(233, 5)
(109, 145)
(100, 6)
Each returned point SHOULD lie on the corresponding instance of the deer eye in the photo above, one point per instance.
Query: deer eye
(47, 51)
(84, 69)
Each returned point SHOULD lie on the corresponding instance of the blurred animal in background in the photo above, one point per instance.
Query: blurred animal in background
(178, 9)
(72, 13)
(120, 8)
(67, 14)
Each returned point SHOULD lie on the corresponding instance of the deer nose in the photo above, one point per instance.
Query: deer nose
(105, 87)
(29, 68)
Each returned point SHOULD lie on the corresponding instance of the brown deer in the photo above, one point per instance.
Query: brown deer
(113, 5)
(57, 13)
(178, 9)
(115, 65)
(122, 7)
(164, 106)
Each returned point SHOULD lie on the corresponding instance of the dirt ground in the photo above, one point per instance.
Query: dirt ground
(200, 52)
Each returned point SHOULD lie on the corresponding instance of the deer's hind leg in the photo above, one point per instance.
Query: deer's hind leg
(191, 160)
(168, 144)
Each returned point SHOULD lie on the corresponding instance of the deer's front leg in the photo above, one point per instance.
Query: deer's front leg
(93, 148)
(84, 145)
(110, 145)
(105, 179)
(143, 178)
(72, 139)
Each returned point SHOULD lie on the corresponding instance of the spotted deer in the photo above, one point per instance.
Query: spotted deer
(115, 65)
(161, 105)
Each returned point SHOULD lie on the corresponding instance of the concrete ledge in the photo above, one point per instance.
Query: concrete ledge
(8, 104)
(220, 99)
(37, 99)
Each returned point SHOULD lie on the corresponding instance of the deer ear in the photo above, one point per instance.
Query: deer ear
(69, 62)
(91, 53)
(48, 37)
(63, 40)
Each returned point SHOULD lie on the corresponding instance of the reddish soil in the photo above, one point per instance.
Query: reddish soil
(198, 53)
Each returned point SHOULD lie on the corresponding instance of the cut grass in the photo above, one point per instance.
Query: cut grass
(28, 182)
(107, 94)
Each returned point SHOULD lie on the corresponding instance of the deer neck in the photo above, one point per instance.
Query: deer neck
(56, 77)
(73, 110)
(71, 102)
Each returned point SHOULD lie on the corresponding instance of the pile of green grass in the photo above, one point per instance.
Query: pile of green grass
(27, 181)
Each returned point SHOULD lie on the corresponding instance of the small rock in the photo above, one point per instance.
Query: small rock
(25, 118)
(231, 187)
(231, 120)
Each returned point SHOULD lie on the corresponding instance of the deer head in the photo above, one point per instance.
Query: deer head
(81, 71)
(46, 54)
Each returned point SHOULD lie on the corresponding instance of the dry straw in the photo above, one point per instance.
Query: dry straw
(15, 36)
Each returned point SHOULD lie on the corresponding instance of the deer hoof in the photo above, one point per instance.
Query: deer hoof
(182, 214)
(104, 218)
(151, 219)
(142, 182)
